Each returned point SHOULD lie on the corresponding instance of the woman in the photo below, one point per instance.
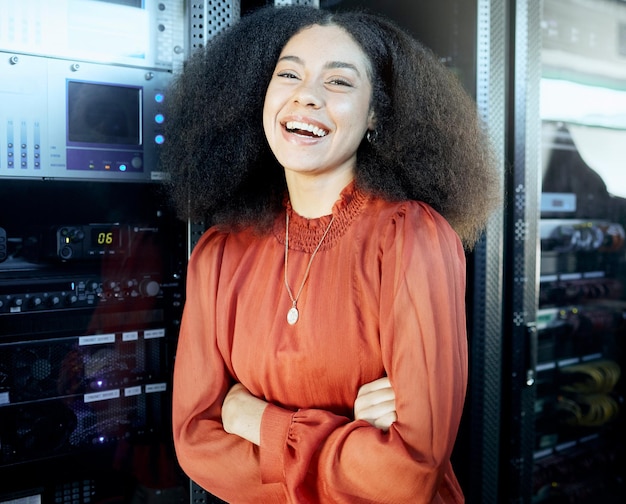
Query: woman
(322, 354)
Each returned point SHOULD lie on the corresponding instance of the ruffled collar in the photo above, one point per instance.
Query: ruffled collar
(305, 234)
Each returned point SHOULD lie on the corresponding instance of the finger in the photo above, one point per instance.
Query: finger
(373, 398)
(385, 421)
(372, 413)
(236, 388)
(375, 385)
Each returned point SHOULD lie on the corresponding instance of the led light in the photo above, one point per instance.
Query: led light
(159, 139)
(123, 167)
(159, 118)
(159, 97)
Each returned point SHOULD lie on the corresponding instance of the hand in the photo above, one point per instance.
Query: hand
(242, 413)
(376, 404)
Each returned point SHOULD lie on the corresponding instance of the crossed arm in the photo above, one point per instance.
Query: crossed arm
(242, 412)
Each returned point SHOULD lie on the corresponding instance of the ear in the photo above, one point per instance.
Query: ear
(371, 120)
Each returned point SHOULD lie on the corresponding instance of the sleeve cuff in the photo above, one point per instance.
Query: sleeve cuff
(275, 426)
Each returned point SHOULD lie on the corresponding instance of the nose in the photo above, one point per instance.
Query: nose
(308, 95)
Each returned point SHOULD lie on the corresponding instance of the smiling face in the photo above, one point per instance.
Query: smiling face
(317, 106)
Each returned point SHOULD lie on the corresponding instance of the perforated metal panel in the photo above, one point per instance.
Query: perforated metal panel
(208, 18)
(205, 19)
(170, 24)
(486, 343)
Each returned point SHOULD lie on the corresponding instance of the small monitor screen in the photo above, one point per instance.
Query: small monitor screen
(103, 114)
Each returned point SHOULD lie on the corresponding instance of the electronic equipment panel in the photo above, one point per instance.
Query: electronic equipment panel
(91, 294)
(137, 33)
(82, 87)
(75, 120)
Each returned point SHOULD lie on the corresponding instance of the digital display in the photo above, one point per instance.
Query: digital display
(105, 237)
(103, 114)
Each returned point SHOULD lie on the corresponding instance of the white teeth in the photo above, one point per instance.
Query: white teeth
(296, 125)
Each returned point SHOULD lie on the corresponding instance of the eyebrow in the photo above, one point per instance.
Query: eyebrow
(328, 65)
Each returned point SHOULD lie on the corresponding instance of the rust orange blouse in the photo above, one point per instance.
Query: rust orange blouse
(385, 296)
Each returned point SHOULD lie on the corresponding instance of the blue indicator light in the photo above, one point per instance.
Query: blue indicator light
(159, 118)
(159, 139)
(159, 98)
(122, 167)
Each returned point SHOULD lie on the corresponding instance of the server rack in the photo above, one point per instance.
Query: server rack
(92, 258)
(578, 441)
(553, 335)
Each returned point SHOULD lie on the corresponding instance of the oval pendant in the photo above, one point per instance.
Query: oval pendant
(292, 315)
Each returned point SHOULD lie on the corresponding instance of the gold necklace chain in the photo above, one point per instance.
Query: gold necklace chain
(293, 314)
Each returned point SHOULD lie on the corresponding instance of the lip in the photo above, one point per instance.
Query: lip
(294, 137)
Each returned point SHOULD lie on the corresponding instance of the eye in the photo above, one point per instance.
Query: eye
(287, 74)
(340, 81)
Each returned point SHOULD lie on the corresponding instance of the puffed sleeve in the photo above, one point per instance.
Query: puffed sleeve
(322, 458)
(226, 465)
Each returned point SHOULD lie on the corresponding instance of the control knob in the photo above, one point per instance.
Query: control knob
(35, 302)
(149, 287)
(53, 301)
(66, 253)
